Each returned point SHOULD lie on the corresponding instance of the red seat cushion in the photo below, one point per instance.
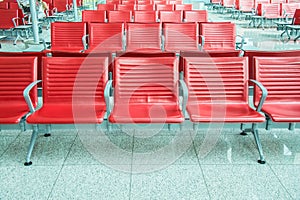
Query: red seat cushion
(12, 114)
(68, 114)
(283, 112)
(223, 113)
(146, 113)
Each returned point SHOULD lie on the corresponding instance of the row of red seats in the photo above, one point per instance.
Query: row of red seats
(214, 90)
(71, 36)
(144, 16)
(281, 10)
(133, 7)
(140, 2)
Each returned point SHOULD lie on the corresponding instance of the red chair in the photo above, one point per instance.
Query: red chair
(105, 37)
(3, 5)
(68, 36)
(175, 16)
(288, 9)
(60, 5)
(168, 7)
(184, 7)
(228, 3)
(127, 7)
(146, 91)
(73, 93)
(106, 7)
(181, 36)
(93, 16)
(217, 36)
(119, 16)
(146, 7)
(6, 17)
(143, 36)
(280, 76)
(244, 5)
(16, 73)
(144, 16)
(218, 93)
(195, 16)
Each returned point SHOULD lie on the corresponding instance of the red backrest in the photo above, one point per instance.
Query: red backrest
(195, 16)
(106, 36)
(218, 36)
(292, 1)
(280, 76)
(183, 6)
(16, 73)
(145, 7)
(227, 3)
(106, 7)
(296, 19)
(143, 36)
(69, 80)
(60, 5)
(256, 2)
(119, 16)
(251, 54)
(3, 5)
(144, 16)
(215, 1)
(93, 16)
(181, 36)
(159, 1)
(127, 7)
(222, 79)
(6, 17)
(175, 16)
(289, 9)
(67, 35)
(13, 5)
(277, 1)
(269, 10)
(244, 5)
(152, 80)
(164, 7)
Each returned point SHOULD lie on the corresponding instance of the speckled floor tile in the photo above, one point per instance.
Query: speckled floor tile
(281, 146)
(225, 149)
(173, 182)
(13, 132)
(22, 182)
(5, 141)
(164, 150)
(91, 182)
(92, 149)
(243, 182)
(289, 176)
(47, 151)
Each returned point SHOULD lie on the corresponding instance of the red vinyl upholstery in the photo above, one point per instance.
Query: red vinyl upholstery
(146, 90)
(16, 73)
(73, 91)
(125, 7)
(183, 6)
(143, 36)
(93, 16)
(244, 5)
(106, 7)
(67, 36)
(218, 90)
(145, 7)
(281, 77)
(144, 16)
(119, 16)
(169, 7)
(106, 37)
(181, 36)
(195, 16)
(218, 35)
(6, 17)
(269, 11)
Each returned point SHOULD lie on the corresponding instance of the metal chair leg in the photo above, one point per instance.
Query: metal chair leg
(48, 131)
(31, 145)
(258, 144)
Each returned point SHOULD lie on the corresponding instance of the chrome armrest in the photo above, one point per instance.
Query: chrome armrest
(27, 96)
(107, 96)
(185, 94)
(263, 96)
(84, 40)
(14, 20)
(242, 41)
(202, 40)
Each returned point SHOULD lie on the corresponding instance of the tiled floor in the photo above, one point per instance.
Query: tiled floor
(148, 164)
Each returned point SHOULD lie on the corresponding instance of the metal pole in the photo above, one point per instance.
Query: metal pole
(75, 10)
(34, 21)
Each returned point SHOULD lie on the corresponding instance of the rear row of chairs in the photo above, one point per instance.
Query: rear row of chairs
(77, 90)
(144, 16)
(132, 6)
(140, 36)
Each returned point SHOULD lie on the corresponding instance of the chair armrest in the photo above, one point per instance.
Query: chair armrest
(124, 45)
(263, 96)
(202, 41)
(27, 96)
(185, 94)
(107, 95)
(84, 41)
(163, 42)
(14, 20)
(242, 41)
